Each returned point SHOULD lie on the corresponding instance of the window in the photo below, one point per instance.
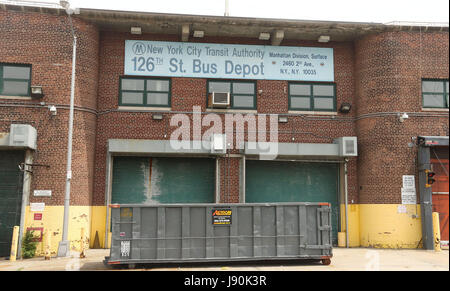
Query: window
(312, 96)
(15, 80)
(242, 93)
(144, 92)
(435, 93)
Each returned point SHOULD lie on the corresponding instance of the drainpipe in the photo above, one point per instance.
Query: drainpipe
(64, 244)
(25, 198)
(346, 202)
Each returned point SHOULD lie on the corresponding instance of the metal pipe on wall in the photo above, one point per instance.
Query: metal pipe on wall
(64, 244)
(346, 203)
(25, 198)
(109, 161)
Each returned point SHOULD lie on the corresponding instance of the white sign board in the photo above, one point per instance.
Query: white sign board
(409, 196)
(43, 193)
(210, 60)
(409, 181)
(37, 207)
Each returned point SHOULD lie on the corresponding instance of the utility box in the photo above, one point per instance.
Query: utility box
(22, 135)
(218, 143)
(179, 233)
(348, 146)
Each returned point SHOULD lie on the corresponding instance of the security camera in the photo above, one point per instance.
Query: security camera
(403, 117)
(52, 110)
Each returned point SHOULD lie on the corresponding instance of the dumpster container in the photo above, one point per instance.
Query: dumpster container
(177, 233)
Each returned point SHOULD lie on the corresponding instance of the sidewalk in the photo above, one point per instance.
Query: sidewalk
(352, 259)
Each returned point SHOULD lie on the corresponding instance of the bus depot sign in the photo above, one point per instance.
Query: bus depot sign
(207, 60)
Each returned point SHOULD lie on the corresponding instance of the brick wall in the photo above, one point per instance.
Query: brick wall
(378, 74)
(45, 42)
(389, 68)
(189, 92)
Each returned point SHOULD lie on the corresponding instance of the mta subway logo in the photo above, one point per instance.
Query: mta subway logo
(139, 48)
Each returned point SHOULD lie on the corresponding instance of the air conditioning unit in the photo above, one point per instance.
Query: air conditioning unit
(219, 99)
(22, 135)
(348, 146)
(218, 143)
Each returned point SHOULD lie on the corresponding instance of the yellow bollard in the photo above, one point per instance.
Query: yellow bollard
(437, 232)
(82, 244)
(47, 244)
(15, 237)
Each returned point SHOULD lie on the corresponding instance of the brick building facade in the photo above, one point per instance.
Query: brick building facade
(378, 69)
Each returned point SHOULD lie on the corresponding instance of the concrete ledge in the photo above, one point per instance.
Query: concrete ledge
(139, 108)
(312, 112)
(15, 97)
(293, 149)
(159, 147)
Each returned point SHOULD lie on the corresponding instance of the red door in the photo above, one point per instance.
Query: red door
(440, 194)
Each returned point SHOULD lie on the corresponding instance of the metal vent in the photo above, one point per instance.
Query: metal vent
(349, 147)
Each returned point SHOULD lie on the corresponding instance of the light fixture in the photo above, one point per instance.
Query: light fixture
(282, 119)
(199, 33)
(345, 107)
(277, 37)
(136, 30)
(402, 117)
(64, 4)
(69, 10)
(36, 92)
(185, 32)
(264, 36)
(157, 116)
(324, 38)
(52, 110)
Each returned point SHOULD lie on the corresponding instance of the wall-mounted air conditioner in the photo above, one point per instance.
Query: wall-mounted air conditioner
(218, 143)
(348, 146)
(22, 135)
(219, 99)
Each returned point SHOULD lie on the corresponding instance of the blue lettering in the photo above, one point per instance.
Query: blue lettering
(196, 66)
(199, 67)
(244, 70)
(173, 65)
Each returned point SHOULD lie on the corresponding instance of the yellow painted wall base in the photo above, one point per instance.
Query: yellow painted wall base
(91, 218)
(370, 225)
(52, 220)
(353, 222)
(98, 225)
(390, 226)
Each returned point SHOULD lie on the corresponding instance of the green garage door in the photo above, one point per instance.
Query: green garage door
(276, 181)
(11, 181)
(151, 180)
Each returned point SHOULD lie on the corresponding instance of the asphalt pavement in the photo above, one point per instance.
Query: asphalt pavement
(344, 259)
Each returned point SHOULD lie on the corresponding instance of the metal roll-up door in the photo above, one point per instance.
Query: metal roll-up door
(157, 180)
(439, 163)
(288, 181)
(11, 190)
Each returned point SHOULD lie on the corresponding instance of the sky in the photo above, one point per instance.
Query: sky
(380, 11)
